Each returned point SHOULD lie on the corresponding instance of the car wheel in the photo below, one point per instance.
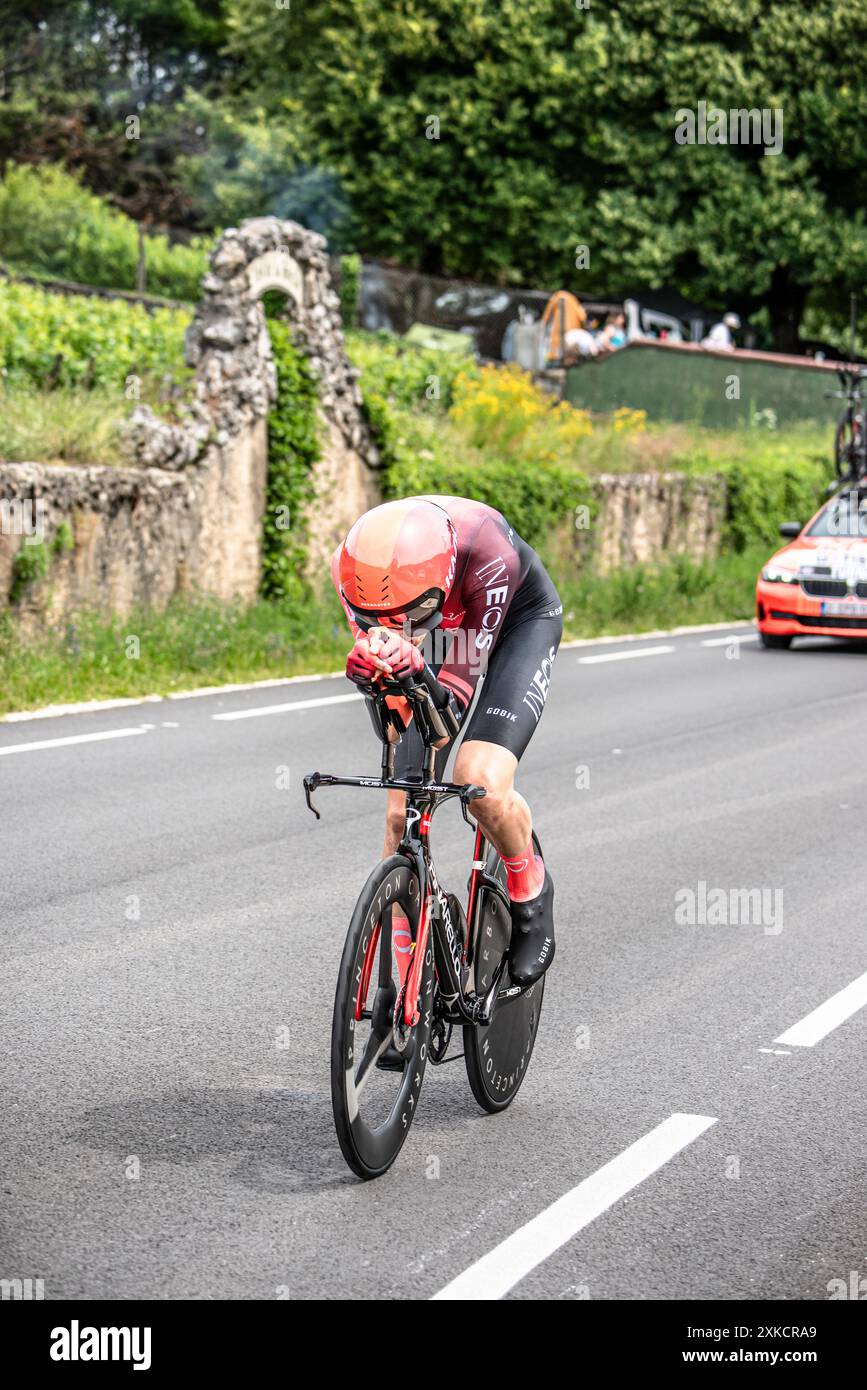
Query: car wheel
(774, 642)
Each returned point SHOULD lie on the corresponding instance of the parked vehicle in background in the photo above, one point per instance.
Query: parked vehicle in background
(395, 299)
(817, 584)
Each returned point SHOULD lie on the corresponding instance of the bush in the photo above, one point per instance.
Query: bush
(764, 491)
(51, 225)
(350, 289)
(401, 373)
(101, 342)
(293, 448)
(30, 564)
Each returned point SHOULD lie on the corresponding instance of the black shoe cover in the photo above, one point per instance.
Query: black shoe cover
(531, 949)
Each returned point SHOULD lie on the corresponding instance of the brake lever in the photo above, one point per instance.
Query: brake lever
(311, 782)
(478, 793)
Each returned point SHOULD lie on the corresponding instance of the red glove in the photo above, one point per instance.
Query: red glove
(360, 666)
(399, 655)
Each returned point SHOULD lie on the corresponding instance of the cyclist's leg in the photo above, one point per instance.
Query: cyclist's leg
(512, 699)
(510, 705)
(502, 813)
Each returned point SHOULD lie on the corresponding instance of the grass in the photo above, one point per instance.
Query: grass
(676, 594)
(60, 426)
(69, 425)
(194, 642)
(203, 642)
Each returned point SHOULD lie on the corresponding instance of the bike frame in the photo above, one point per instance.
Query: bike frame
(453, 958)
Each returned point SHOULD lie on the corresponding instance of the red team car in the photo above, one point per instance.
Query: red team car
(817, 585)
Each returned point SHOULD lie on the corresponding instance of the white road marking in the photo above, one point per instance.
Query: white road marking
(507, 1264)
(776, 1051)
(94, 706)
(732, 637)
(822, 1021)
(623, 656)
(73, 738)
(284, 709)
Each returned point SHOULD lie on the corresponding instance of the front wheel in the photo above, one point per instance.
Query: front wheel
(774, 641)
(497, 1056)
(377, 1065)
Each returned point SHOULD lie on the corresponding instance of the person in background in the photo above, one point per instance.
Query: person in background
(613, 335)
(579, 342)
(720, 336)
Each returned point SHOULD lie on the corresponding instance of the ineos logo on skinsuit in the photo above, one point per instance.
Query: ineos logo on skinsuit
(496, 598)
(538, 693)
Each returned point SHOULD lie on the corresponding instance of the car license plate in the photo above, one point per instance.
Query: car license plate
(844, 610)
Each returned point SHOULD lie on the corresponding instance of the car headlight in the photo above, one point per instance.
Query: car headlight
(774, 574)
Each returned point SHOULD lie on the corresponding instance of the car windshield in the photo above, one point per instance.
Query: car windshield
(845, 515)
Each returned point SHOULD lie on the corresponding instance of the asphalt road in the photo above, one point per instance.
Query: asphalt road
(172, 920)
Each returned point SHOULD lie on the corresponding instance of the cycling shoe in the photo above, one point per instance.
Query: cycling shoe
(531, 949)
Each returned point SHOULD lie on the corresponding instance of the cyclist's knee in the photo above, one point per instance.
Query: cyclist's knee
(491, 767)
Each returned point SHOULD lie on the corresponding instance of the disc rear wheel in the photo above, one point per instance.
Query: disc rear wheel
(497, 1056)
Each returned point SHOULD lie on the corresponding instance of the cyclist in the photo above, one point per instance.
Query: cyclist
(448, 579)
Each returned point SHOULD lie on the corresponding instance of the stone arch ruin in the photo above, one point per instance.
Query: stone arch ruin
(222, 442)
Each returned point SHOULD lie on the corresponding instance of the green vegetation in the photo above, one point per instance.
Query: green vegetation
(679, 593)
(75, 340)
(61, 426)
(195, 642)
(293, 448)
(445, 425)
(488, 138)
(72, 367)
(52, 225)
(350, 289)
(31, 564)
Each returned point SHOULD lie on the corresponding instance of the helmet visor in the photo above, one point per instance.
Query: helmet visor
(424, 613)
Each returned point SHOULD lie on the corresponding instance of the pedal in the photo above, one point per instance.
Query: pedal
(438, 1045)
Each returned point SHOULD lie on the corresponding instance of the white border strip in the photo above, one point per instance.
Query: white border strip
(507, 1264)
(822, 1021)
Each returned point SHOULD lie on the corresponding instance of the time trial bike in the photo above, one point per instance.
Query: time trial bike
(416, 964)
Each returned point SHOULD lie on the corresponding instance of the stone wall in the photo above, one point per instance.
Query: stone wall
(646, 517)
(141, 535)
(187, 513)
(144, 534)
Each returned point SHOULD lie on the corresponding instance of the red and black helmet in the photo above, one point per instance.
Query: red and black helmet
(397, 564)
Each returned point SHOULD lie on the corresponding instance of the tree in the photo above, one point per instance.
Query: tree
(491, 137)
(96, 86)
